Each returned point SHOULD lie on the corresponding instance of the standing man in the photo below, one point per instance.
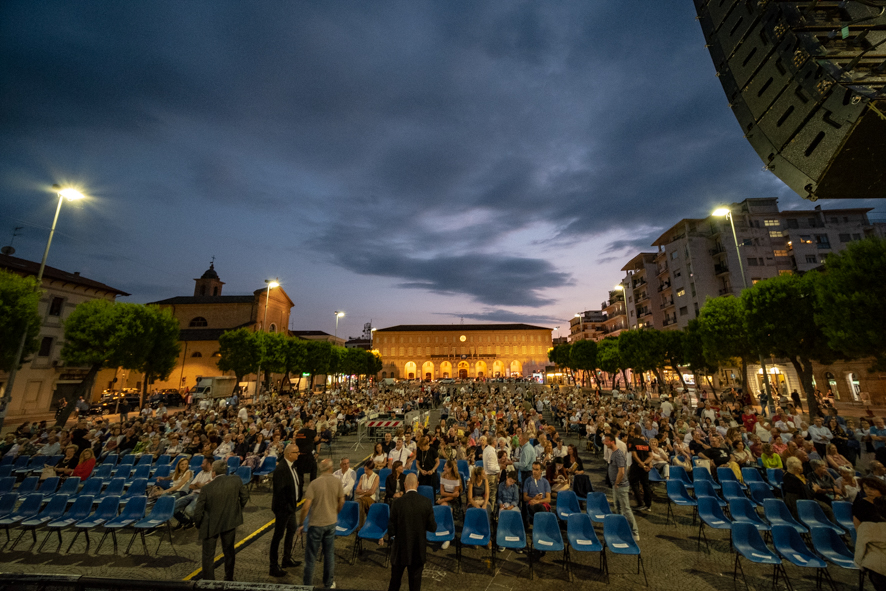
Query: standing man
(306, 440)
(491, 467)
(527, 457)
(638, 474)
(218, 513)
(616, 473)
(412, 516)
(323, 501)
(284, 504)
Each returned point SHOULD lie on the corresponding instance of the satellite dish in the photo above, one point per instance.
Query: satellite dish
(7, 250)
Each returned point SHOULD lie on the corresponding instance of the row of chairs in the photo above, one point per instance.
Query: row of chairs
(79, 517)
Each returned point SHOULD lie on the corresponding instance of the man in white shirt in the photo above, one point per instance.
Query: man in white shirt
(347, 477)
(184, 507)
(490, 465)
(399, 454)
(666, 409)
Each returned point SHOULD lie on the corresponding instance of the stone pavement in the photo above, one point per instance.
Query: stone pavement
(670, 554)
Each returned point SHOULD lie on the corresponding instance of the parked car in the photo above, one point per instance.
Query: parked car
(166, 397)
(109, 404)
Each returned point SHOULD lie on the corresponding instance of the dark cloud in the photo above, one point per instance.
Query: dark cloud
(505, 316)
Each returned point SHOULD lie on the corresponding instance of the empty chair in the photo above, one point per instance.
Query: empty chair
(775, 476)
(679, 473)
(582, 538)
(92, 487)
(132, 512)
(48, 486)
(136, 489)
(830, 546)
(725, 474)
(704, 488)
(111, 459)
(140, 473)
(29, 508)
(245, 474)
(476, 531)
(6, 471)
(511, 533)
(7, 484)
(52, 511)
(619, 539)
(710, 514)
(69, 487)
(464, 469)
(426, 491)
(777, 513)
(597, 506)
(107, 510)
(269, 464)
(383, 478)
(843, 515)
(160, 516)
(678, 495)
(702, 474)
(732, 490)
(546, 537)
(743, 511)
(29, 485)
(115, 487)
(655, 476)
(790, 547)
(163, 460)
(748, 544)
(21, 464)
(567, 504)
(102, 471)
(7, 503)
(35, 464)
(7, 460)
(375, 527)
(760, 492)
(752, 475)
(348, 519)
(811, 516)
(78, 511)
(233, 464)
(197, 461)
(124, 466)
(145, 460)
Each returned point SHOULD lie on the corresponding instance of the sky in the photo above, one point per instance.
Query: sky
(405, 162)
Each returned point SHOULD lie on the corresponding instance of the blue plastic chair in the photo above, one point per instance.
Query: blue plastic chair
(111, 459)
(270, 464)
(7, 460)
(843, 515)
(21, 464)
(144, 460)
(704, 488)
(464, 469)
(830, 546)
(619, 540)
(160, 516)
(710, 514)
(546, 537)
(140, 473)
(790, 547)
(511, 533)
(655, 476)
(124, 465)
(427, 492)
(775, 476)
(702, 474)
(52, 511)
(138, 488)
(163, 460)
(29, 508)
(760, 492)
(160, 472)
(29, 485)
(7, 484)
(348, 519)
(382, 479)
(35, 464)
(678, 495)
(132, 512)
(107, 510)
(777, 513)
(78, 512)
(725, 474)
(69, 487)
(6, 471)
(375, 527)
(445, 525)
(752, 475)
(597, 507)
(7, 503)
(475, 532)
(732, 490)
(567, 504)
(115, 487)
(748, 544)
(811, 516)
(233, 464)
(48, 486)
(679, 473)
(743, 511)
(245, 474)
(102, 471)
(582, 538)
(197, 461)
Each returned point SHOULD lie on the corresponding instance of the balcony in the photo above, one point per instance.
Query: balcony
(717, 250)
(642, 297)
(669, 321)
(725, 290)
(665, 285)
(667, 303)
(720, 269)
(662, 269)
(639, 282)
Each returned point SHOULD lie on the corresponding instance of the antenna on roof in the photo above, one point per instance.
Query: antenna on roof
(462, 319)
(9, 250)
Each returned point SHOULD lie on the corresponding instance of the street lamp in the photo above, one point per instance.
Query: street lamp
(71, 195)
(372, 337)
(725, 211)
(264, 324)
(558, 331)
(581, 326)
(337, 316)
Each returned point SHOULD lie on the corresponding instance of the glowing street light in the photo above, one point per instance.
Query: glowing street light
(271, 283)
(338, 315)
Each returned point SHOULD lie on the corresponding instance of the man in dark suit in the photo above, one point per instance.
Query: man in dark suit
(412, 515)
(218, 513)
(284, 504)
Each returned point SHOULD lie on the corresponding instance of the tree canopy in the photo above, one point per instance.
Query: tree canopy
(19, 302)
(642, 350)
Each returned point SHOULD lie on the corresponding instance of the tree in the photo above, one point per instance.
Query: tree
(240, 351)
(160, 331)
(294, 359)
(19, 301)
(642, 350)
(851, 301)
(609, 359)
(583, 356)
(693, 353)
(273, 354)
(560, 355)
(780, 320)
(673, 345)
(318, 357)
(723, 334)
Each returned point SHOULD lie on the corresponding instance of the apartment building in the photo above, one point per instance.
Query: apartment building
(589, 325)
(642, 290)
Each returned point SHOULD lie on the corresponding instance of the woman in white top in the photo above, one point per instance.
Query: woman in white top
(180, 480)
(367, 489)
(450, 484)
(379, 457)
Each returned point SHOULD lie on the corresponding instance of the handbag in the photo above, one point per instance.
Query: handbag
(47, 472)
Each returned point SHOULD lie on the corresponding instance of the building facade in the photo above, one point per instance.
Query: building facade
(589, 325)
(45, 378)
(435, 351)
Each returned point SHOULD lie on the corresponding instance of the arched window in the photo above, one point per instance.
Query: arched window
(272, 328)
(196, 354)
(198, 322)
(214, 291)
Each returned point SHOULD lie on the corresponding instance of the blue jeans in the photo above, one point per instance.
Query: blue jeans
(316, 536)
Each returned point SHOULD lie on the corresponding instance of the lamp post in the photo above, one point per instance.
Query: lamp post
(70, 195)
(581, 325)
(337, 316)
(558, 331)
(725, 211)
(264, 325)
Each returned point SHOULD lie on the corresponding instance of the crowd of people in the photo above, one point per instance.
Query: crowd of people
(516, 458)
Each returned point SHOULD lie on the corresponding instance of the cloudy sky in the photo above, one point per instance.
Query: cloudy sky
(406, 162)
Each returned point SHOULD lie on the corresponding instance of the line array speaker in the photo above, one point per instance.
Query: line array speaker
(807, 83)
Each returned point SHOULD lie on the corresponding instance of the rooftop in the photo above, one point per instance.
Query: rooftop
(231, 299)
(459, 327)
(29, 268)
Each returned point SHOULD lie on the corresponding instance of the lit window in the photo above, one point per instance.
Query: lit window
(681, 292)
(775, 233)
(780, 253)
(775, 223)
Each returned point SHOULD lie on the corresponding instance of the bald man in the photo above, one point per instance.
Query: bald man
(284, 504)
(412, 515)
